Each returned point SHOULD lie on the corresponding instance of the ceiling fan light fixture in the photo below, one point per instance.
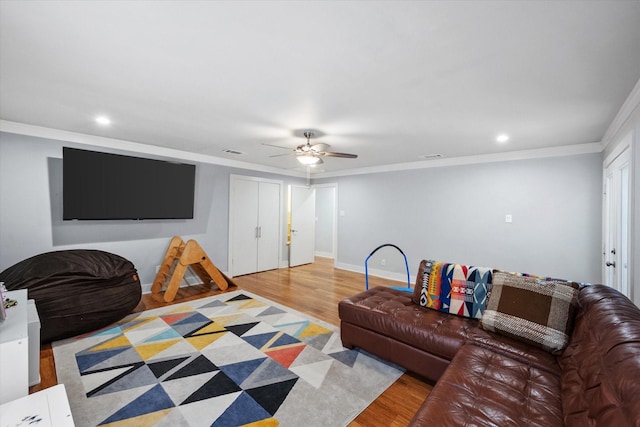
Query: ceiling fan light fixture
(308, 159)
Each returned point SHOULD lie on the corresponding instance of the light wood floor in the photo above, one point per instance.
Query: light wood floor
(314, 289)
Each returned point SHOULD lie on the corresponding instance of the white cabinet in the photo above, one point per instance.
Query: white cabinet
(254, 224)
(14, 350)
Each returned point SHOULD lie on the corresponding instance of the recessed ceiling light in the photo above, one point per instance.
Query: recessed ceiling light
(503, 137)
(103, 120)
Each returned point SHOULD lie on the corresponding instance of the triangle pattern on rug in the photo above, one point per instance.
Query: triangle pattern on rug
(219, 385)
(153, 400)
(242, 411)
(223, 360)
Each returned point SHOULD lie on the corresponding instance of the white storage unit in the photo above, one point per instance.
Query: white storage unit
(33, 329)
(14, 349)
(51, 405)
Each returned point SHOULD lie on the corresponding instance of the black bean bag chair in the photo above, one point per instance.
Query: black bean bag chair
(76, 291)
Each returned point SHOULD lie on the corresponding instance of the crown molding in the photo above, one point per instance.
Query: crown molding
(565, 150)
(628, 107)
(135, 147)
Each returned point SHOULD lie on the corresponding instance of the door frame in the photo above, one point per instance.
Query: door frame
(232, 179)
(625, 147)
(290, 214)
(334, 236)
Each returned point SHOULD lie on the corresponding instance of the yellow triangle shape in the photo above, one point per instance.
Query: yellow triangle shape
(147, 351)
(252, 304)
(201, 341)
(212, 327)
(184, 309)
(141, 322)
(146, 420)
(267, 422)
(226, 320)
(313, 329)
(119, 341)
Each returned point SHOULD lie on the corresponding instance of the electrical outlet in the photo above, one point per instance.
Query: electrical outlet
(508, 218)
(157, 269)
(383, 262)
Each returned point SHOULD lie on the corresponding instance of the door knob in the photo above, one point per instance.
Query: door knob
(610, 264)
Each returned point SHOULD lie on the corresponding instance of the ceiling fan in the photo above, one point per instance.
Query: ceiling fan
(311, 154)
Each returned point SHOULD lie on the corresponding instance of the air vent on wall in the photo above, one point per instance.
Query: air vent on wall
(230, 151)
(431, 156)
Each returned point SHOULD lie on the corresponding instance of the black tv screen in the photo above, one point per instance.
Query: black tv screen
(99, 186)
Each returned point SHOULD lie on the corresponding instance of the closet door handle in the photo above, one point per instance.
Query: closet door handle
(610, 264)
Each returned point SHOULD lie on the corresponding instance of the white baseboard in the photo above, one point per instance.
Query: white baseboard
(324, 254)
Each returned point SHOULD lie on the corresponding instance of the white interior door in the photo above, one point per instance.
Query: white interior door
(303, 217)
(615, 254)
(243, 214)
(268, 226)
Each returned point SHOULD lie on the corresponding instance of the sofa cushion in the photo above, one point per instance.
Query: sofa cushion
(601, 366)
(539, 312)
(391, 313)
(485, 388)
(454, 288)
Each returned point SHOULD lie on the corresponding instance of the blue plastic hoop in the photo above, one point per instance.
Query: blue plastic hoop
(406, 263)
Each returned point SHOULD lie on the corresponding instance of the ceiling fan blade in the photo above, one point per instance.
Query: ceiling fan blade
(321, 146)
(333, 154)
(280, 155)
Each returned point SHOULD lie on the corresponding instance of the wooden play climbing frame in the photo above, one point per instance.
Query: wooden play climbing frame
(178, 258)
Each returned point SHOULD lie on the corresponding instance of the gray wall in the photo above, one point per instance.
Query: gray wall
(31, 211)
(325, 209)
(457, 214)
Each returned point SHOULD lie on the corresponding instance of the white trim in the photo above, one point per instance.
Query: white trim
(620, 148)
(398, 277)
(323, 254)
(627, 109)
(565, 150)
(136, 147)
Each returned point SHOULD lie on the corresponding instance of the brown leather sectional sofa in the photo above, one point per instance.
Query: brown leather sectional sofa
(485, 379)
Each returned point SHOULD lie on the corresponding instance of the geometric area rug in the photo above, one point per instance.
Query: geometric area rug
(234, 359)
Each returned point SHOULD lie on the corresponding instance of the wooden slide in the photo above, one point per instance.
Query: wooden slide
(178, 258)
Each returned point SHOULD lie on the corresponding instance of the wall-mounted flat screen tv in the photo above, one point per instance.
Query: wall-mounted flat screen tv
(100, 186)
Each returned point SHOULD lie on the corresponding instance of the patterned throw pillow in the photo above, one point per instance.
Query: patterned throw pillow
(455, 288)
(539, 312)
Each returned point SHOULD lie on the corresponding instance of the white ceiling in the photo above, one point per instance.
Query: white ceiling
(389, 81)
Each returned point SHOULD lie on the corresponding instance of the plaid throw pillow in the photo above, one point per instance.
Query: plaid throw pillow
(539, 312)
(455, 288)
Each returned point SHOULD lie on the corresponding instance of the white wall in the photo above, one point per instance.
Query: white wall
(31, 211)
(457, 214)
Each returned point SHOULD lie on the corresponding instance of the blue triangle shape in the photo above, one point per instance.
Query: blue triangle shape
(239, 372)
(243, 410)
(285, 339)
(258, 341)
(156, 399)
(87, 360)
(347, 357)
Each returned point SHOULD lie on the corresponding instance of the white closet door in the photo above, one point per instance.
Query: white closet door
(268, 226)
(244, 238)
